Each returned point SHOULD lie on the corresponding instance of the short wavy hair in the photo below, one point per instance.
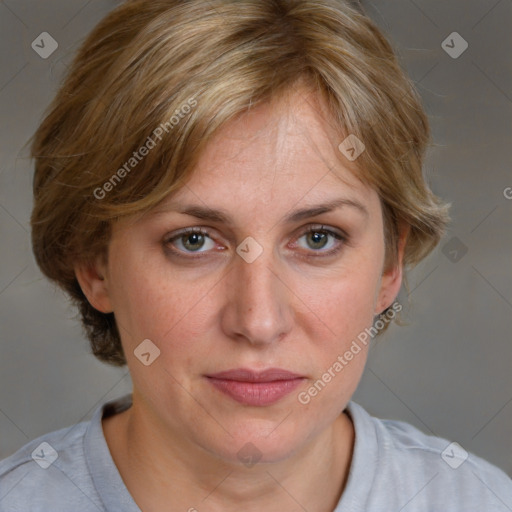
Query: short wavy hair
(147, 60)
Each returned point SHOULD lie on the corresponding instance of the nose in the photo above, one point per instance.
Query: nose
(258, 301)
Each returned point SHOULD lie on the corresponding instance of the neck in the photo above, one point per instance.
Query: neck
(159, 470)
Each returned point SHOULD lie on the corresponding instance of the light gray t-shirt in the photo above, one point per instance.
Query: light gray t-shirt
(395, 467)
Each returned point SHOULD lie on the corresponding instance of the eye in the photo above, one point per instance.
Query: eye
(319, 242)
(322, 240)
(191, 240)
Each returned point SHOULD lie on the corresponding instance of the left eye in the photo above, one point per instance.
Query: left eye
(321, 239)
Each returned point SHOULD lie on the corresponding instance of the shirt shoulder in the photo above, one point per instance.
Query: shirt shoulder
(417, 472)
(49, 473)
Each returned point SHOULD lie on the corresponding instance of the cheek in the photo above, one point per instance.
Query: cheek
(156, 302)
(340, 351)
(346, 313)
(344, 305)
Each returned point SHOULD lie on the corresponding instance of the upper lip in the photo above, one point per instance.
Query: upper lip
(247, 375)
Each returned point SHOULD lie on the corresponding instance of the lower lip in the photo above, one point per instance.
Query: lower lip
(256, 393)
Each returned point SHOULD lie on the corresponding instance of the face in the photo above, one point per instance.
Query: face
(248, 279)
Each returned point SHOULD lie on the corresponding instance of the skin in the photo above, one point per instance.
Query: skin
(291, 308)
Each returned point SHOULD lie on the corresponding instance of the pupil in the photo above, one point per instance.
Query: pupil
(318, 238)
(193, 239)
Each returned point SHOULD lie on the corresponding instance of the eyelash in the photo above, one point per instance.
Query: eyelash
(342, 238)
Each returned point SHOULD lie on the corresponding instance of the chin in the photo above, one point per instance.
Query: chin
(257, 442)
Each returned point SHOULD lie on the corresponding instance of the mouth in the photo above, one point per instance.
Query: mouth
(255, 388)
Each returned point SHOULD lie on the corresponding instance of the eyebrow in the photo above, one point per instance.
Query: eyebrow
(221, 216)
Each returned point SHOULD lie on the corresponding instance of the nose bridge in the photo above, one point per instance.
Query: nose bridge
(258, 303)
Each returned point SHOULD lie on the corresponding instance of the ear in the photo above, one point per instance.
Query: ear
(93, 279)
(391, 279)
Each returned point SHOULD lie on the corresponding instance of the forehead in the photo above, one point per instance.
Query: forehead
(279, 151)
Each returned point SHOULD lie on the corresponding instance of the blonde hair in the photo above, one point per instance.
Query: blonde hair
(147, 60)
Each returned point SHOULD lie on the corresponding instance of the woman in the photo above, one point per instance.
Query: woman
(231, 192)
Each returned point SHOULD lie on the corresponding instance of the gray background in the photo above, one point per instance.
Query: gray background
(448, 372)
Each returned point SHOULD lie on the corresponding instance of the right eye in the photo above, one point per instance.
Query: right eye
(189, 241)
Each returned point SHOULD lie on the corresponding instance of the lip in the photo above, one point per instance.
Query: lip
(255, 388)
(247, 375)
